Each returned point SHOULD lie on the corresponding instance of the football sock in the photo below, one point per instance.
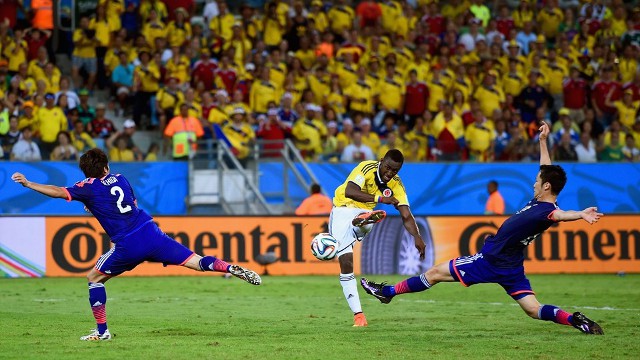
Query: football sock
(555, 314)
(212, 263)
(350, 290)
(98, 301)
(412, 284)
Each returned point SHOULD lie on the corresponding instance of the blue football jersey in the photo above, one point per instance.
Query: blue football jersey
(505, 249)
(112, 202)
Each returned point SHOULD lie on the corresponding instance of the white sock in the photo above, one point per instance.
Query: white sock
(350, 290)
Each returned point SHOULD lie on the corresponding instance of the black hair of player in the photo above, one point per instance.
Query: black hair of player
(555, 176)
(93, 163)
(394, 155)
(315, 188)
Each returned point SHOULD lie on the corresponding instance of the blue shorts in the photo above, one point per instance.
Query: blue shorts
(148, 243)
(474, 269)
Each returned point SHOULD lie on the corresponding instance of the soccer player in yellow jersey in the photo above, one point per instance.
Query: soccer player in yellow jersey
(352, 216)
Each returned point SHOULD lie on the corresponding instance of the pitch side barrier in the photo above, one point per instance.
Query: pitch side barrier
(433, 188)
(70, 246)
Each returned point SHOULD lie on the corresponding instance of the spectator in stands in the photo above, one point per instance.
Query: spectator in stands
(532, 97)
(501, 140)
(602, 89)
(273, 130)
(479, 138)
(118, 151)
(64, 150)
(447, 131)
(316, 204)
(51, 121)
(26, 149)
(81, 139)
(84, 54)
(566, 126)
(146, 82)
(129, 129)
(241, 135)
(613, 150)
(86, 112)
(11, 137)
(586, 149)
(101, 127)
(122, 80)
(308, 133)
(629, 150)
(564, 149)
(345, 136)
(627, 108)
(28, 117)
(495, 202)
(357, 151)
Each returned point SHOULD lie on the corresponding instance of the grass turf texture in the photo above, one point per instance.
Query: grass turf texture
(308, 318)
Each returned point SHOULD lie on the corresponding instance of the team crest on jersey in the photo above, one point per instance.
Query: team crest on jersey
(387, 192)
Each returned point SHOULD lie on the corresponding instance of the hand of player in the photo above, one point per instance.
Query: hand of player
(20, 179)
(591, 215)
(420, 246)
(544, 131)
(389, 200)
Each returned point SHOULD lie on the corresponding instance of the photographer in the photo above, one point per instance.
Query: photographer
(84, 54)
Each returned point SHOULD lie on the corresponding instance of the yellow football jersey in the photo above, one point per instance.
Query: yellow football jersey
(365, 175)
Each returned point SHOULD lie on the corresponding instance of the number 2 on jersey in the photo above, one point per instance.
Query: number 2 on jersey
(118, 190)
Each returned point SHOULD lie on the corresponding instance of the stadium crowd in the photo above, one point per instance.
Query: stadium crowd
(440, 80)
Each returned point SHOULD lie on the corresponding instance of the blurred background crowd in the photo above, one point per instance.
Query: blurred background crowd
(452, 80)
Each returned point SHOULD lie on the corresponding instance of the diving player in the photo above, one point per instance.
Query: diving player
(501, 258)
(352, 216)
(109, 197)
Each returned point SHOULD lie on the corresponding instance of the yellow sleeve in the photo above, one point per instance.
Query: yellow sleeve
(357, 175)
(399, 192)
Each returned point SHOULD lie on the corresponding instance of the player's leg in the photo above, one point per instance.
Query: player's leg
(468, 270)
(422, 282)
(342, 230)
(535, 310)
(211, 263)
(110, 264)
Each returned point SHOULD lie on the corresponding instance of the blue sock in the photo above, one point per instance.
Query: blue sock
(98, 301)
(412, 284)
(211, 263)
(555, 314)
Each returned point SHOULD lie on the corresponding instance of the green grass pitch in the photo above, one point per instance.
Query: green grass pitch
(308, 318)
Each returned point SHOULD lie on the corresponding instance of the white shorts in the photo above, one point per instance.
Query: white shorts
(341, 229)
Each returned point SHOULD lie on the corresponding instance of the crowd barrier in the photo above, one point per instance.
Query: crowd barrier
(70, 246)
(433, 188)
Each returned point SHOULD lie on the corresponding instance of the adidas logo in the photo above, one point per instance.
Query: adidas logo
(462, 272)
(350, 296)
(107, 271)
(97, 303)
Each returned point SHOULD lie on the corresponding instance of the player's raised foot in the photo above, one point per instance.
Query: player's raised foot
(375, 290)
(586, 325)
(359, 320)
(369, 217)
(247, 275)
(96, 336)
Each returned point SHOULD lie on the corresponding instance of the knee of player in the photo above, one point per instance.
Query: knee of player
(433, 275)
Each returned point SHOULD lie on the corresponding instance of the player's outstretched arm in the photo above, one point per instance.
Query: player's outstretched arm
(49, 190)
(545, 159)
(590, 215)
(409, 223)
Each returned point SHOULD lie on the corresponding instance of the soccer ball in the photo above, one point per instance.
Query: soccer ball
(324, 246)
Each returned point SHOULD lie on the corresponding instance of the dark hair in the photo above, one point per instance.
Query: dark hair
(394, 155)
(93, 162)
(493, 183)
(555, 176)
(315, 188)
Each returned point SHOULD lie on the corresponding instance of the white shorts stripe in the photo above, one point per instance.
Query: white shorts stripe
(104, 258)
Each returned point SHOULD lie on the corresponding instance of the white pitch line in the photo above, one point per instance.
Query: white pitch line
(605, 308)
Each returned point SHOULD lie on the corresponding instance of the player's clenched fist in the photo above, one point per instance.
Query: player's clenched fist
(20, 179)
